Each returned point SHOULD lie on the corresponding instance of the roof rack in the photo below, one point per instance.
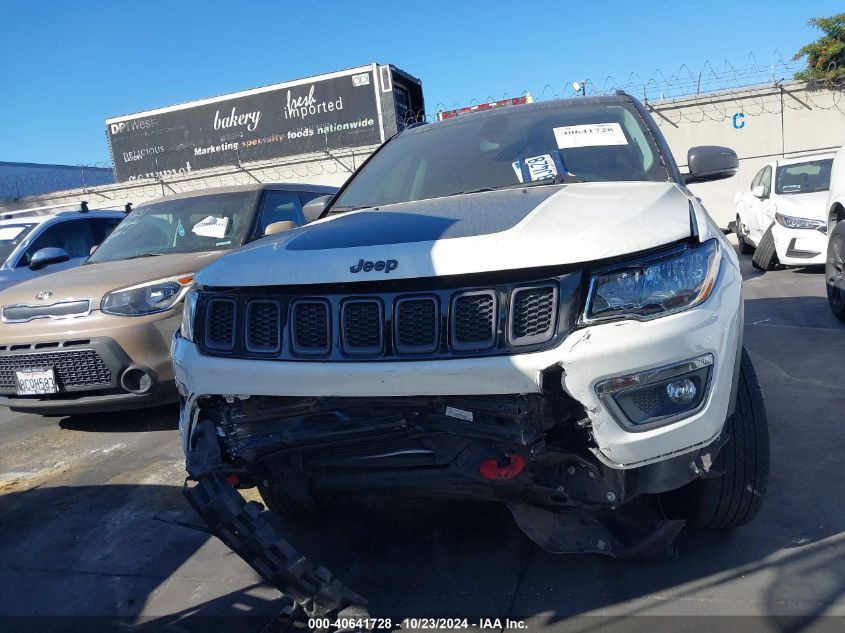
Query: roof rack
(54, 209)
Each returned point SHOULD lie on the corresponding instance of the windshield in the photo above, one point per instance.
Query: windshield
(595, 142)
(10, 236)
(186, 225)
(804, 177)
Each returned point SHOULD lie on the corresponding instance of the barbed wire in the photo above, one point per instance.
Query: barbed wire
(712, 93)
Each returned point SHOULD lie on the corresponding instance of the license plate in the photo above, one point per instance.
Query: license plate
(33, 382)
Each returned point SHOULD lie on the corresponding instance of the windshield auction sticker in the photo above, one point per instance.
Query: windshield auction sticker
(211, 227)
(590, 135)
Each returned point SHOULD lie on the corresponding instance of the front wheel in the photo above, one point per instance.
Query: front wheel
(765, 255)
(732, 496)
(834, 271)
(746, 248)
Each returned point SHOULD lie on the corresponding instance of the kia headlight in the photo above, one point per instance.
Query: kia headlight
(654, 286)
(791, 222)
(147, 298)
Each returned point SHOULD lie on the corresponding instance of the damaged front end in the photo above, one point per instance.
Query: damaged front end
(534, 452)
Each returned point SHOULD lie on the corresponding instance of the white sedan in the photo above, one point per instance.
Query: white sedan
(783, 212)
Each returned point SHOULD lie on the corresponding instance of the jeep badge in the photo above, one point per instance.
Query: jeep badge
(367, 266)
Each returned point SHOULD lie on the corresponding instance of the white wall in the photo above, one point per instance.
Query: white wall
(812, 120)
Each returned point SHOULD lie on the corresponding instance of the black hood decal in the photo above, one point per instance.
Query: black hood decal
(425, 220)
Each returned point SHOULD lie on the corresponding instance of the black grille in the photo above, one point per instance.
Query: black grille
(77, 368)
(311, 327)
(416, 325)
(473, 320)
(532, 314)
(362, 327)
(648, 400)
(220, 326)
(263, 326)
(358, 323)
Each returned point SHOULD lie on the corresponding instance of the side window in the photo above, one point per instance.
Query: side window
(308, 196)
(766, 180)
(277, 207)
(72, 235)
(103, 226)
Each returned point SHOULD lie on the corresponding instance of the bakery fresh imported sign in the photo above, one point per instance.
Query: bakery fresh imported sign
(315, 114)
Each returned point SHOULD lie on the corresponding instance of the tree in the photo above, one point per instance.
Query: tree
(825, 56)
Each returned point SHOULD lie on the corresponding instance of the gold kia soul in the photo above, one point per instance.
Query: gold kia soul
(97, 337)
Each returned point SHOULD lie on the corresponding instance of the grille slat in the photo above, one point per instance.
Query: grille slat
(311, 327)
(263, 326)
(74, 368)
(220, 324)
(416, 325)
(532, 315)
(474, 320)
(363, 327)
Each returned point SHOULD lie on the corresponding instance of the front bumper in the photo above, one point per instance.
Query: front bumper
(96, 351)
(587, 357)
(799, 247)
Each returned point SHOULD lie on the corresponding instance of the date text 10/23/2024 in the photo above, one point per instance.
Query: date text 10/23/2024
(432, 624)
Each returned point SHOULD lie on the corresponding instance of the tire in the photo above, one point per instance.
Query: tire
(765, 257)
(287, 506)
(744, 247)
(835, 269)
(734, 497)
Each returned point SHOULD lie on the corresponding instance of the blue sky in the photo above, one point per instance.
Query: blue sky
(67, 66)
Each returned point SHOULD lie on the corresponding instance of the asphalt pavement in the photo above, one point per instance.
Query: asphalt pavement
(95, 534)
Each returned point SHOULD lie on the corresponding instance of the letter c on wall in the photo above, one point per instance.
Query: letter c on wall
(741, 124)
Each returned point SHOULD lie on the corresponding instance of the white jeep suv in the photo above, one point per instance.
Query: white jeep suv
(524, 305)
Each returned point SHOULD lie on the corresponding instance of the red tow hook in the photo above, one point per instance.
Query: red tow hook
(490, 468)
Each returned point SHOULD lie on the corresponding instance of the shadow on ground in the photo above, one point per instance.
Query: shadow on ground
(164, 418)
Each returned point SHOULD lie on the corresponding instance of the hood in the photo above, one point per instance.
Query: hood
(480, 232)
(812, 206)
(95, 280)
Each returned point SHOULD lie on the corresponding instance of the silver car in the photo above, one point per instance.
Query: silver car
(31, 245)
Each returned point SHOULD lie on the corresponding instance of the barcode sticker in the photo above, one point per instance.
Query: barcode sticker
(452, 412)
(591, 135)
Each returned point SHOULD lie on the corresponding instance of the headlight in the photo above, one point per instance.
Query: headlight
(147, 298)
(656, 285)
(792, 222)
(189, 310)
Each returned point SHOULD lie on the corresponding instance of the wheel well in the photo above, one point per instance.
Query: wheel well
(837, 214)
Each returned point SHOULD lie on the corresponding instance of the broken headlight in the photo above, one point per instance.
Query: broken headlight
(147, 298)
(656, 285)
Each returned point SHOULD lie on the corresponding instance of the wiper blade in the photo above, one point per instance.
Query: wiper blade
(554, 180)
(348, 209)
(142, 255)
(559, 179)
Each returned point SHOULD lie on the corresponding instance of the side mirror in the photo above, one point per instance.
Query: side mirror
(47, 256)
(710, 162)
(759, 191)
(314, 209)
(279, 227)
